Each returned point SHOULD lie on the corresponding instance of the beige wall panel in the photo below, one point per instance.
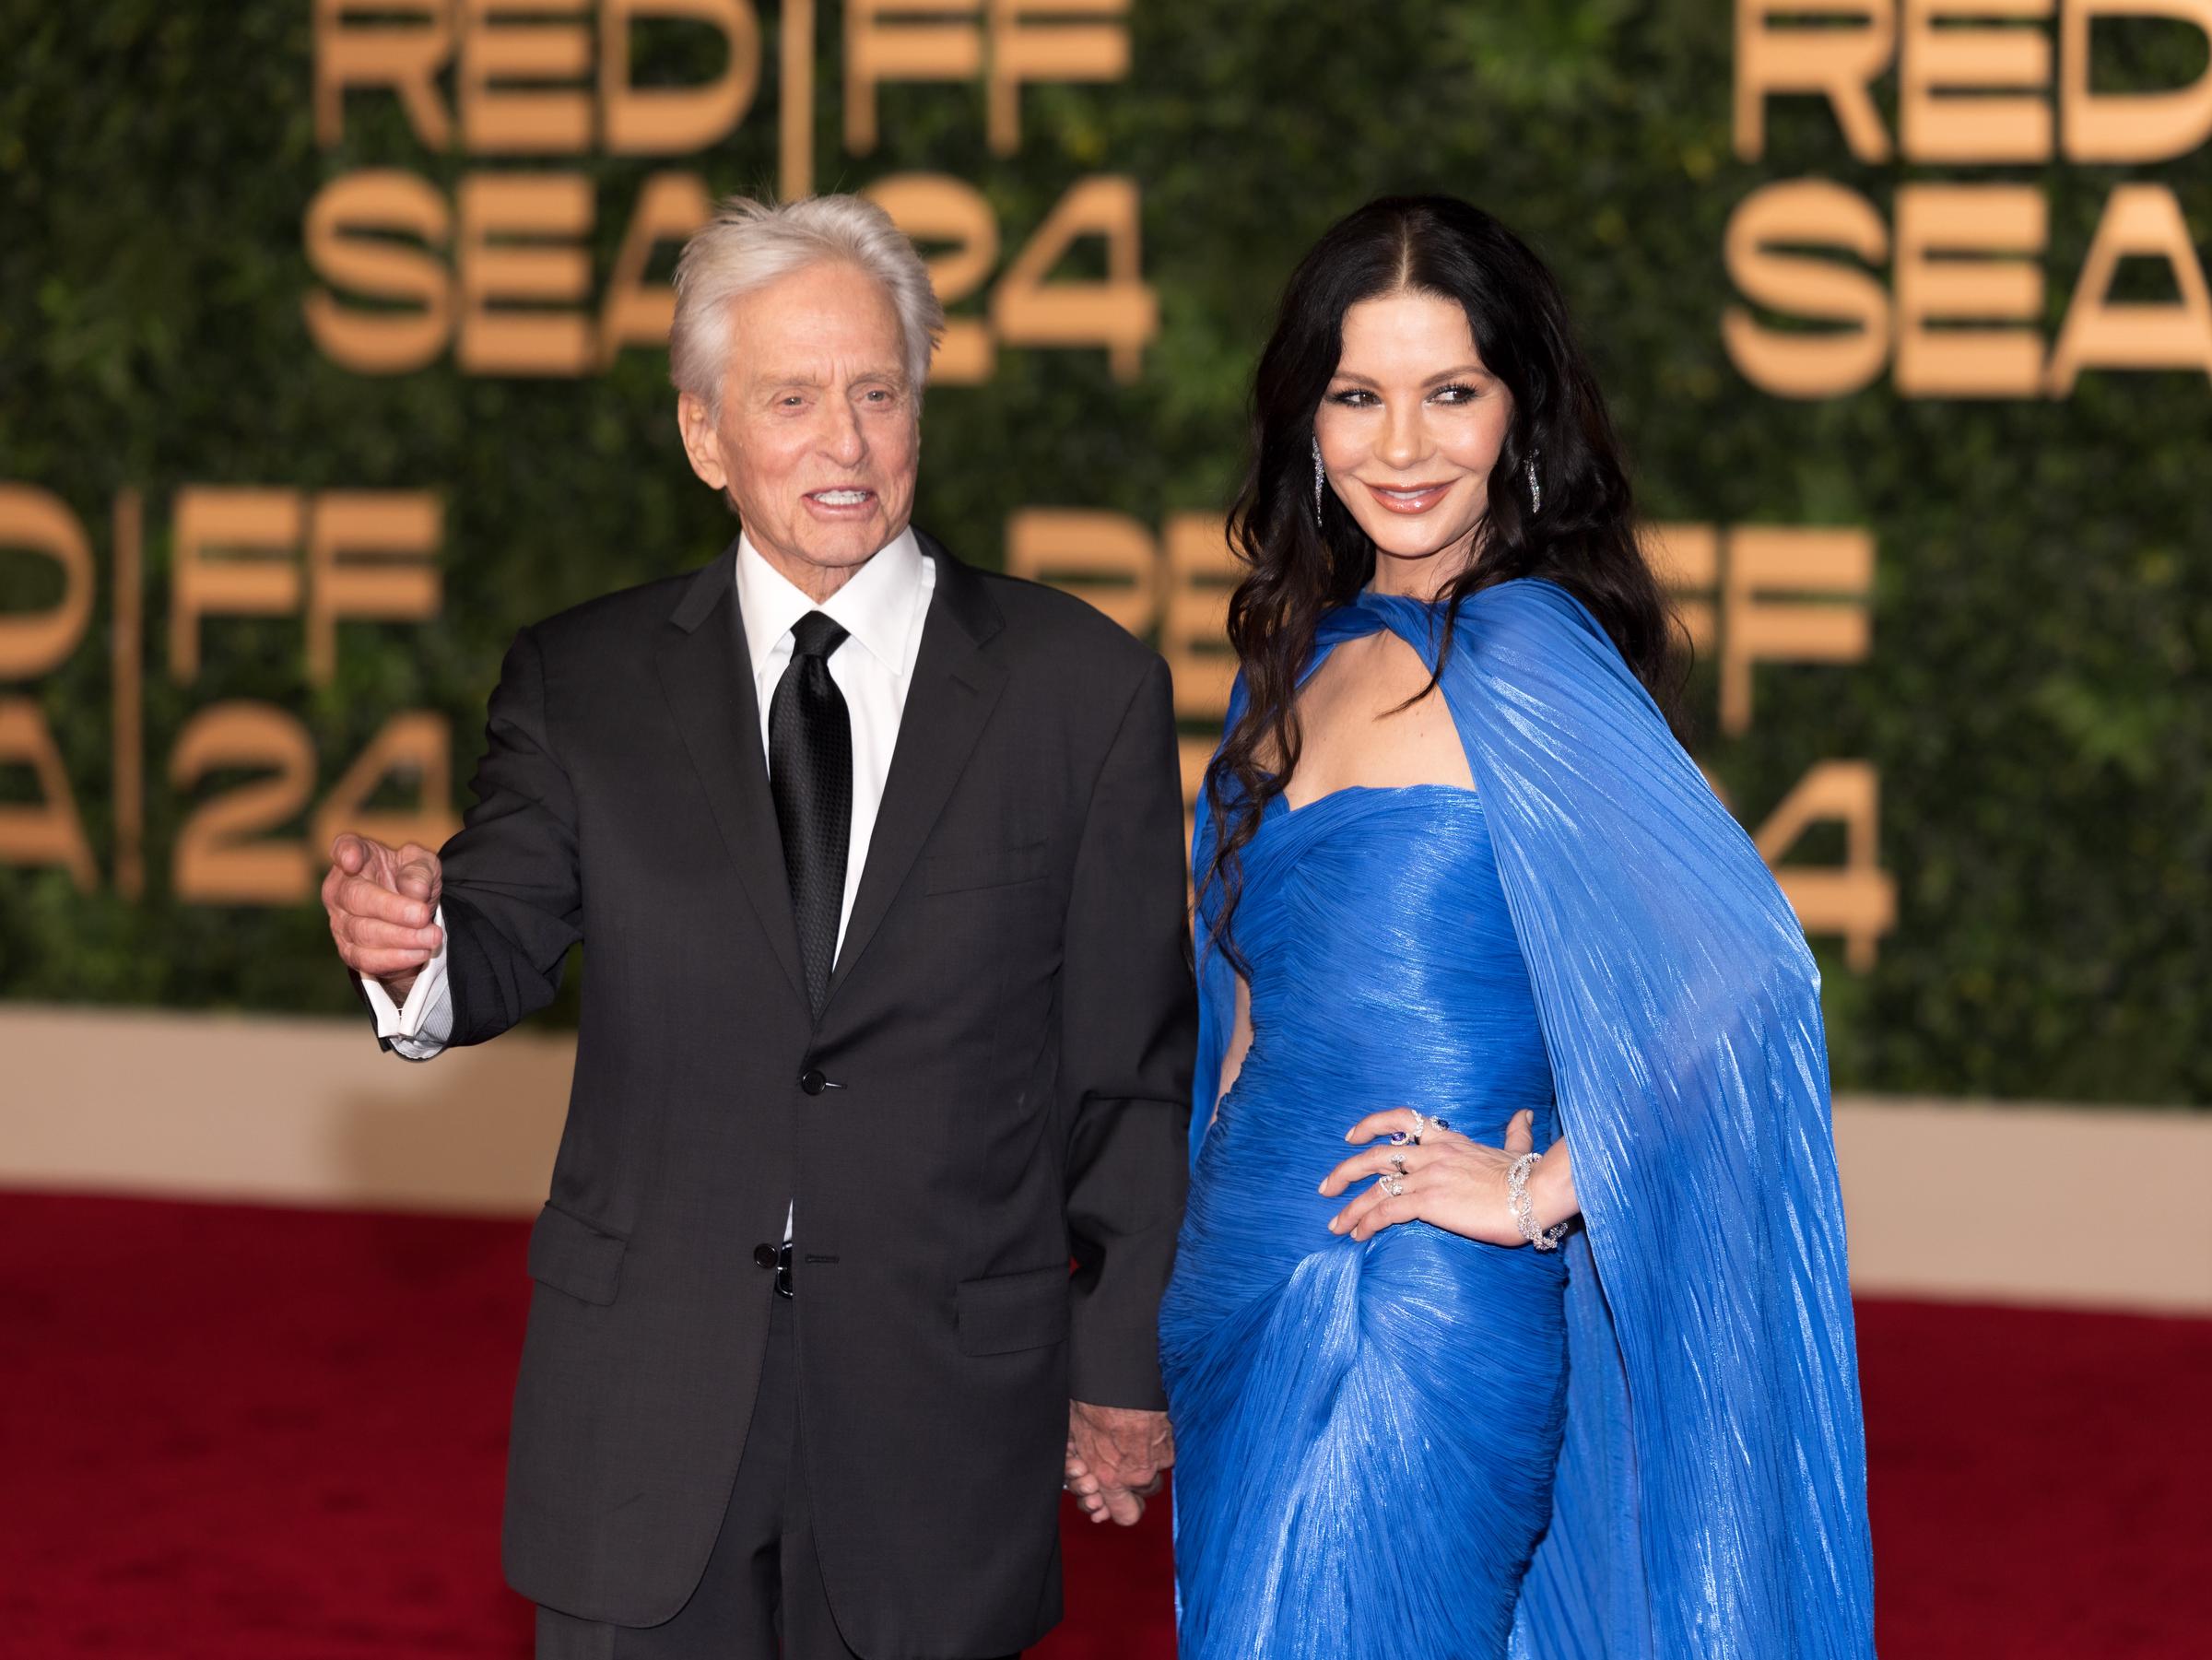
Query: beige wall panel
(292, 1110)
(2094, 1208)
(2029, 1203)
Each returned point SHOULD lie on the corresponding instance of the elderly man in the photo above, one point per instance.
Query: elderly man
(878, 859)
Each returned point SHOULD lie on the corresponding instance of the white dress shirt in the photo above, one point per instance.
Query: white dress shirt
(882, 608)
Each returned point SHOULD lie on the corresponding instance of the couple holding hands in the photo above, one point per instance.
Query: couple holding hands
(1507, 1313)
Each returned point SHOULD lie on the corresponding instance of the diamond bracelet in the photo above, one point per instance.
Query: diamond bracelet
(1525, 1210)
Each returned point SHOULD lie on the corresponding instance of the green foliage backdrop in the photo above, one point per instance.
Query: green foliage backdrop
(2037, 701)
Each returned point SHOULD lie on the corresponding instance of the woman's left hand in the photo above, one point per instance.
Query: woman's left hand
(1448, 1181)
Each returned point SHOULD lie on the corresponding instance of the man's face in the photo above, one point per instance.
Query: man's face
(819, 435)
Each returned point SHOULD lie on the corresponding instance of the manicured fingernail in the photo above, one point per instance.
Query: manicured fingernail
(1335, 1225)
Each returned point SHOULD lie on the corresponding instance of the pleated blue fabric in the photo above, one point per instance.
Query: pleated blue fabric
(1648, 1444)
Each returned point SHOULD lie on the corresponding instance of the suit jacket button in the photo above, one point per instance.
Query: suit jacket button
(812, 1081)
(764, 1255)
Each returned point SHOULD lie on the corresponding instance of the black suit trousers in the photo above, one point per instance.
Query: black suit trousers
(762, 1594)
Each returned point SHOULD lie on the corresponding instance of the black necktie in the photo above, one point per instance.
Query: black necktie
(811, 774)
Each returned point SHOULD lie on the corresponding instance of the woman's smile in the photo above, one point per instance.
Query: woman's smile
(1410, 498)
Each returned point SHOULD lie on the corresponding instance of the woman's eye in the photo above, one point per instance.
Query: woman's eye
(1352, 398)
(1456, 393)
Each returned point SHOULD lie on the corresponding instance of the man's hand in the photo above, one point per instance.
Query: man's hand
(381, 902)
(1116, 1457)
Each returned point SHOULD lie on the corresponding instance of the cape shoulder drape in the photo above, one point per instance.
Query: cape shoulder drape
(1711, 1498)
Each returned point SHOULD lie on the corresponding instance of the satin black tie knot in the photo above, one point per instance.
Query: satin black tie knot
(817, 634)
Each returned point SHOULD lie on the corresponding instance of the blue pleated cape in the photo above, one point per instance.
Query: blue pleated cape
(1711, 1499)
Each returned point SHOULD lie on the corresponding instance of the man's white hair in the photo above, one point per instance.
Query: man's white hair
(748, 245)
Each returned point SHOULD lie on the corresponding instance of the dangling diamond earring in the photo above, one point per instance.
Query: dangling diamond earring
(1535, 485)
(1319, 477)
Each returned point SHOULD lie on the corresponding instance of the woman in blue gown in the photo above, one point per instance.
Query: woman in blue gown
(1511, 1314)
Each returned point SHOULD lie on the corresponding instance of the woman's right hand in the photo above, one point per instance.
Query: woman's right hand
(1449, 1180)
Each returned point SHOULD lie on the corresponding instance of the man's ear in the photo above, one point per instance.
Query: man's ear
(695, 421)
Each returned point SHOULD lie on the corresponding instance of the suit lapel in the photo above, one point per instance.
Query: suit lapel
(955, 687)
(706, 675)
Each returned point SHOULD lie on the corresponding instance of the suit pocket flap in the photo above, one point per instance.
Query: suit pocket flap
(1008, 1312)
(1001, 867)
(569, 1254)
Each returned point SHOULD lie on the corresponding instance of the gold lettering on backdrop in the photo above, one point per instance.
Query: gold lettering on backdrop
(226, 850)
(1120, 313)
(2141, 221)
(1776, 52)
(34, 521)
(127, 665)
(259, 530)
(636, 312)
(671, 121)
(1687, 559)
(903, 40)
(2131, 126)
(510, 293)
(349, 231)
(417, 748)
(48, 830)
(539, 222)
(1049, 41)
(500, 53)
(1939, 57)
(1778, 605)
(329, 558)
(1026, 42)
(933, 208)
(520, 70)
(1108, 559)
(1857, 901)
(795, 119)
(1975, 85)
(1781, 594)
(1194, 621)
(1797, 363)
(1202, 571)
(234, 851)
(371, 555)
(1936, 225)
(404, 58)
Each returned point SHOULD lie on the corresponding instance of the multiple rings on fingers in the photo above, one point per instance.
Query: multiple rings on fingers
(1422, 1124)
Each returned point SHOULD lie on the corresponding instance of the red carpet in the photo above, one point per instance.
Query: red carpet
(255, 1434)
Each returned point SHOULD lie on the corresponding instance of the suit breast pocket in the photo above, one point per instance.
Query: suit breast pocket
(569, 1254)
(1006, 1312)
(996, 867)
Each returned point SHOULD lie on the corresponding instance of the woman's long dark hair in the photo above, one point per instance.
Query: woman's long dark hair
(1584, 539)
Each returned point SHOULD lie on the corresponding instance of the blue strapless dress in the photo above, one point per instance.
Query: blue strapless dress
(1368, 1431)
(1645, 1446)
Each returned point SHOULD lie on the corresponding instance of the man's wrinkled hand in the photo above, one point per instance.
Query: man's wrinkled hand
(1116, 1459)
(380, 901)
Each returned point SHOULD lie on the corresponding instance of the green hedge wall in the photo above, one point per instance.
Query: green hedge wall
(2037, 701)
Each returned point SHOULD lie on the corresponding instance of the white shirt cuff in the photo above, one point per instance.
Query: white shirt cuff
(419, 1028)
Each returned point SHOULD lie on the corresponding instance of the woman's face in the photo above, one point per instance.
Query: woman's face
(1409, 427)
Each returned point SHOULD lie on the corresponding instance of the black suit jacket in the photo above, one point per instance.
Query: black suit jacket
(999, 1080)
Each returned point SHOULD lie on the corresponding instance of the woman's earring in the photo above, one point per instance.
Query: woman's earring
(1536, 485)
(1319, 479)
